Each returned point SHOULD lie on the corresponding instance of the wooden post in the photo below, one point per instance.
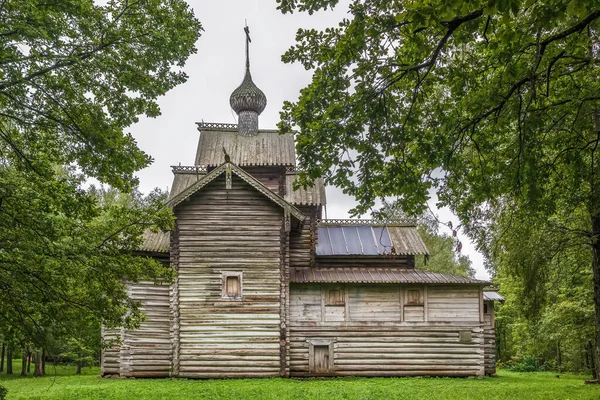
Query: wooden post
(425, 308)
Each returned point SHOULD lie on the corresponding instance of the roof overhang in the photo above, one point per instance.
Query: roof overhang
(377, 275)
(226, 168)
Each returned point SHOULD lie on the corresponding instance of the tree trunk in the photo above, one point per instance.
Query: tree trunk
(9, 356)
(79, 364)
(43, 361)
(2, 357)
(37, 371)
(24, 363)
(28, 362)
(596, 268)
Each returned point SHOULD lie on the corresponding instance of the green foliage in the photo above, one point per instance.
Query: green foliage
(528, 364)
(3, 392)
(507, 386)
(474, 99)
(74, 75)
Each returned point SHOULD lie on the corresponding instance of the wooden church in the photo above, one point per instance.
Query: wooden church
(265, 287)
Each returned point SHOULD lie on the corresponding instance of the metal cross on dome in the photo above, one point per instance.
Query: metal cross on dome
(248, 40)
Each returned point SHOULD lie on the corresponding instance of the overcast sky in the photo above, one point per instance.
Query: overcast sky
(218, 68)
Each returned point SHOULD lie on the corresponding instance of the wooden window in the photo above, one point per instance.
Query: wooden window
(465, 336)
(485, 308)
(336, 296)
(413, 297)
(231, 285)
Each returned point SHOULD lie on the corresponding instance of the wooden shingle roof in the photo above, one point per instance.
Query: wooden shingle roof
(267, 147)
(311, 196)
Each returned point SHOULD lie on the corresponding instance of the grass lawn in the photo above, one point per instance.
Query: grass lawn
(63, 384)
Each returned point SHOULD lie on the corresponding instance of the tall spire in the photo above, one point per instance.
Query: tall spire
(248, 101)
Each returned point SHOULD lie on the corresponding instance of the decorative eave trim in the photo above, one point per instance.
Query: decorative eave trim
(371, 222)
(189, 169)
(216, 126)
(249, 179)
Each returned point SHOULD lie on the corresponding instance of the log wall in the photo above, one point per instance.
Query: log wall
(490, 340)
(146, 351)
(111, 356)
(373, 333)
(229, 231)
(303, 241)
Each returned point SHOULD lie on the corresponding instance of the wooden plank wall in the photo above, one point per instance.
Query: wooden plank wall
(370, 336)
(146, 351)
(236, 230)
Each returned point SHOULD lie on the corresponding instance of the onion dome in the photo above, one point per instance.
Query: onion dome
(248, 101)
(248, 97)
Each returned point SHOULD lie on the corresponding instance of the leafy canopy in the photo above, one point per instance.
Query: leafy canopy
(476, 100)
(74, 74)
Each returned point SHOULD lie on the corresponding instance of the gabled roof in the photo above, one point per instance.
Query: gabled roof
(368, 238)
(267, 147)
(375, 275)
(256, 184)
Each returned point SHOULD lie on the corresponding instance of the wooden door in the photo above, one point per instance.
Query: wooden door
(321, 354)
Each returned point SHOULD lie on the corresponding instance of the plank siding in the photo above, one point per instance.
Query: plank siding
(372, 340)
(146, 351)
(236, 230)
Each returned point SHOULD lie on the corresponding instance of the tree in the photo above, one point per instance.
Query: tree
(491, 104)
(73, 76)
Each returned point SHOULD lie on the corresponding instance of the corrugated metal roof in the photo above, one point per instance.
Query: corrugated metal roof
(492, 295)
(158, 242)
(312, 196)
(268, 147)
(368, 240)
(375, 275)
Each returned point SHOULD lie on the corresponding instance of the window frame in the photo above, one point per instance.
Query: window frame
(230, 274)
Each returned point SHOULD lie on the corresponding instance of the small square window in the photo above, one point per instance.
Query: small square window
(336, 296)
(231, 285)
(413, 297)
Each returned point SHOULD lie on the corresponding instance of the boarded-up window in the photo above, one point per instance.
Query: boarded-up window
(232, 285)
(336, 296)
(414, 297)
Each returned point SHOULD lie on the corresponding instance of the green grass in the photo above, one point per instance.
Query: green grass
(508, 385)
